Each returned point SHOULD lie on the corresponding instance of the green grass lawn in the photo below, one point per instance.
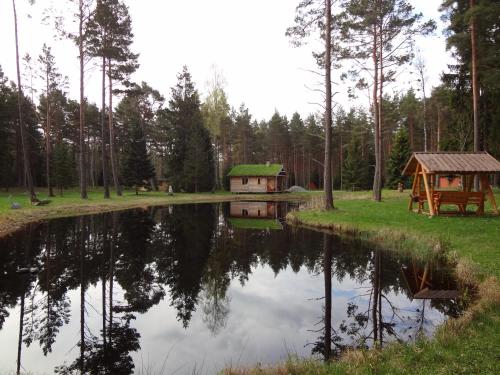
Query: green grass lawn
(72, 197)
(71, 204)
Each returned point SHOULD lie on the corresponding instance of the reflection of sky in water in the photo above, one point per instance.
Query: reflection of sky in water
(270, 317)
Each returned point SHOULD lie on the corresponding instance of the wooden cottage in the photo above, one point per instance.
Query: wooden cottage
(257, 178)
(427, 168)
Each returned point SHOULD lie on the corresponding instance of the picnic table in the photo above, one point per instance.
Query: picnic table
(459, 198)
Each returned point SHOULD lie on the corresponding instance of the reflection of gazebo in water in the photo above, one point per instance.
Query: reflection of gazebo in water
(255, 215)
(426, 166)
(422, 283)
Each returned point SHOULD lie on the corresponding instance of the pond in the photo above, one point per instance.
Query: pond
(196, 288)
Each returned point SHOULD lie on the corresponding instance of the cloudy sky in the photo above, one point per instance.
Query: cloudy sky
(244, 39)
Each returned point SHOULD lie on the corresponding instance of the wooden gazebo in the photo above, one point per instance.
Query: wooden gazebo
(426, 166)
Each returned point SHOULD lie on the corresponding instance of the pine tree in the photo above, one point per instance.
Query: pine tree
(400, 154)
(52, 81)
(381, 31)
(316, 15)
(137, 166)
(110, 37)
(22, 130)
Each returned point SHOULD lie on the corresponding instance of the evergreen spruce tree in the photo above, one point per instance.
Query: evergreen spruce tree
(356, 171)
(198, 167)
(137, 166)
(400, 154)
(62, 173)
(190, 158)
(6, 158)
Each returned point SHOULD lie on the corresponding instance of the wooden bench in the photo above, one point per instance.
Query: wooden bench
(420, 199)
(459, 198)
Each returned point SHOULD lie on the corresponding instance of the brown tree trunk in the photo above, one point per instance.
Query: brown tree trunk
(216, 164)
(111, 127)
(377, 183)
(475, 87)
(20, 97)
(380, 134)
(411, 131)
(47, 139)
(328, 107)
(439, 121)
(105, 178)
(83, 166)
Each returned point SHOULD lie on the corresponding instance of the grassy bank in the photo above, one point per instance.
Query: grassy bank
(70, 204)
(471, 237)
(468, 345)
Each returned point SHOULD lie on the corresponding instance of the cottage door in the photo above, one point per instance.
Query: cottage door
(271, 185)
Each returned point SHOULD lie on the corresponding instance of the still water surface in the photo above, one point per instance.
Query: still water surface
(196, 288)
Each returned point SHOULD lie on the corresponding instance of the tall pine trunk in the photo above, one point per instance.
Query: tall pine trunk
(380, 165)
(105, 178)
(47, 140)
(20, 97)
(328, 107)
(112, 155)
(475, 87)
(83, 166)
(377, 183)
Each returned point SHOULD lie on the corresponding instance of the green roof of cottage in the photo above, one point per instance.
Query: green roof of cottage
(256, 170)
(241, 223)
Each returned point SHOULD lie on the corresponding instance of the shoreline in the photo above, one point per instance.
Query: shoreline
(14, 220)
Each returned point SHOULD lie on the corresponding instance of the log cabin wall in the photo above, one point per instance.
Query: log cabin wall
(254, 185)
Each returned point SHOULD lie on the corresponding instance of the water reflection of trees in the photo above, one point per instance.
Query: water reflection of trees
(189, 254)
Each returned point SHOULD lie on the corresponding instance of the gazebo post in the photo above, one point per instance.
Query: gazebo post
(470, 181)
(428, 193)
(414, 187)
(486, 188)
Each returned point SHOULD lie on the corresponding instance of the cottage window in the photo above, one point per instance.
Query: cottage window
(244, 212)
(258, 181)
(244, 180)
(258, 213)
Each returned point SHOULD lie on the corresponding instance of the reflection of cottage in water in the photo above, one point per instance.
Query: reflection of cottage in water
(254, 209)
(257, 215)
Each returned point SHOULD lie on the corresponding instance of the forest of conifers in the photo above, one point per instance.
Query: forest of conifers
(143, 133)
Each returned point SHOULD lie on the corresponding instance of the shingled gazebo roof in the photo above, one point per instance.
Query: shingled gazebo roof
(453, 163)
